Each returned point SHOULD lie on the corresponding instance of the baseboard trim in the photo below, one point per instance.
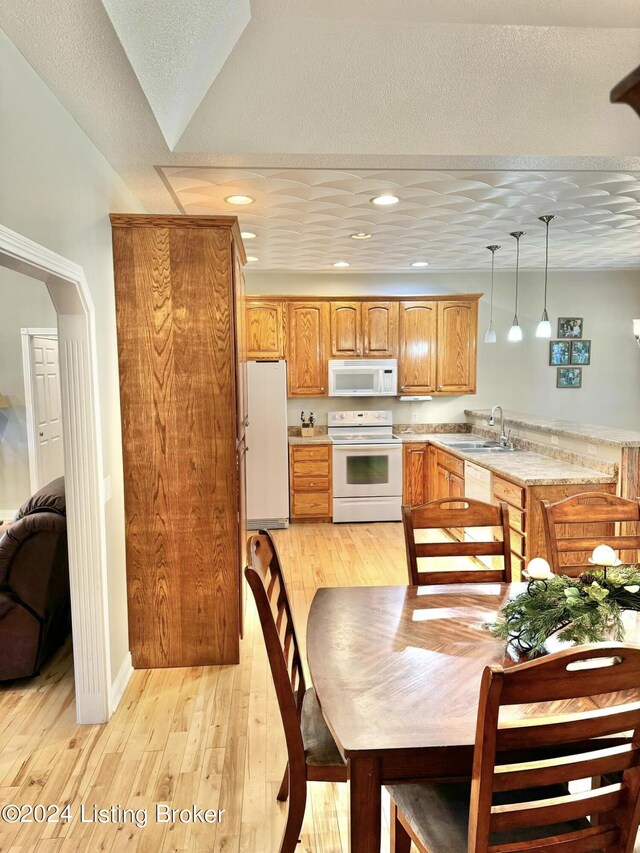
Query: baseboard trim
(120, 684)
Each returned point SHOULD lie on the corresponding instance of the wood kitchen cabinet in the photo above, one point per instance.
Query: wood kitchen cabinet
(346, 329)
(417, 347)
(433, 339)
(310, 482)
(415, 473)
(180, 324)
(265, 329)
(365, 328)
(307, 347)
(525, 515)
(457, 347)
(380, 329)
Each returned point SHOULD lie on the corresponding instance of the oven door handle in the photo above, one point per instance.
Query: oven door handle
(379, 447)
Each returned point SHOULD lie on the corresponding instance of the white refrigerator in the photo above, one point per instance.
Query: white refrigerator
(267, 445)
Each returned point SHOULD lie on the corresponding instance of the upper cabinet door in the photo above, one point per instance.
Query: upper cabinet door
(417, 360)
(380, 329)
(346, 329)
(307, 334)
(265, 329)
(457, 346)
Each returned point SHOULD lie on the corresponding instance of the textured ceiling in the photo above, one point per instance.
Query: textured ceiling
(303, 218)
(177, 52)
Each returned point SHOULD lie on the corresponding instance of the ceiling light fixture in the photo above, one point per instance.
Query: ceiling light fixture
(360, 235)
(385, 200)
(251, 259)
(247, 235)
(341, 264)
(490, 336)
(543, 329)
(515, 332)
(239, 199)
(420, 264)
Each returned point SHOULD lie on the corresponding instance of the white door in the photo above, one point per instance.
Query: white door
(46, 409)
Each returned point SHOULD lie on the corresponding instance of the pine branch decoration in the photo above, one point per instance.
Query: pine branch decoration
(586, 609)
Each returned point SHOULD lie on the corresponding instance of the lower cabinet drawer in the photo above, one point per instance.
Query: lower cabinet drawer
(517, 519)
(451, 463)
(503, 490)
(308, 453)
(517, 567)
(310, 469)
(311, 504)
(311, 484)
(518, 543)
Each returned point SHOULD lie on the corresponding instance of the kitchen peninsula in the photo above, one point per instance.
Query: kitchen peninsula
(551, 460)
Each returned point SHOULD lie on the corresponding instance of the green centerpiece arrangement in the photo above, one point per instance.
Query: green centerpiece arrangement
(584, 609)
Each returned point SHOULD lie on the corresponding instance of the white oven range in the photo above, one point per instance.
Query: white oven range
(367, 467)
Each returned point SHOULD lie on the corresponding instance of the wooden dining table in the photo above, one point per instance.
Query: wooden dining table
(397, 674)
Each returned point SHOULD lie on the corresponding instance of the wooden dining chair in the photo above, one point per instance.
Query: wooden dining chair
(576, 525)
(519, 797)
(456, 513)
(311, 750)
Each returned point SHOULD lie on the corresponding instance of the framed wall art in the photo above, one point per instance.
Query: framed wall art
(580, 352)
(570, 327)
(559, 353)
(569, 377)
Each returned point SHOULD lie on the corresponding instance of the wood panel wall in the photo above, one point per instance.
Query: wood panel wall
(175, 320)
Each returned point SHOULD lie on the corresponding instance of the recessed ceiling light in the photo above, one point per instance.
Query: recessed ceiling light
(341, 264)
(247, 235)
(251, 259)
(239, 199)
(360, 235)
(385, 200)
(420, 264)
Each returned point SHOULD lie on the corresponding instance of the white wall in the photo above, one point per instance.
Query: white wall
(24, 302)
(516, 375)
(57, 189)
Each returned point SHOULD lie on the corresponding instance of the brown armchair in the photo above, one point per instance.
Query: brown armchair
(35, 613)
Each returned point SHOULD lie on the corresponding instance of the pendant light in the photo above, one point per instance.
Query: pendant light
(490, 336)
(543, 329)
(515, 332)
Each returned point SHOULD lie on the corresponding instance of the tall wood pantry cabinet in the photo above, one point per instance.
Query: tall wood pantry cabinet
(180, 320)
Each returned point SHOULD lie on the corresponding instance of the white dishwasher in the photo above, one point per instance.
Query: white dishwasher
(478, 485)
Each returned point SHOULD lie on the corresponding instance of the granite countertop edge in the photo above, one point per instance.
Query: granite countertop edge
(574, 473)
(568, 429)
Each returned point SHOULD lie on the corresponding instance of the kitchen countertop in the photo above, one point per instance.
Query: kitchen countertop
(521, 466)
(310, 439)
(592, 433)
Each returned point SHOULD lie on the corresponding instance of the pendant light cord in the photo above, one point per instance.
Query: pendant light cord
(493, 258)
(546, 265)
(517, 271)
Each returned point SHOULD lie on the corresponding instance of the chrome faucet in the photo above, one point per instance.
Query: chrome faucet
(504, 436)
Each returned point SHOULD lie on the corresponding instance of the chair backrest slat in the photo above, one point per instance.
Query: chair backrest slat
(266, 581)
(561, 809)
(582, 841)
(565, 768)
(455, 514)
(538, 754)
(576, 525)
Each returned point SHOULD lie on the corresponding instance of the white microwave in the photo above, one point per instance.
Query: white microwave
(363, 377)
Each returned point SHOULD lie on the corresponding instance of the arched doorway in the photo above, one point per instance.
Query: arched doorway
(69, 292)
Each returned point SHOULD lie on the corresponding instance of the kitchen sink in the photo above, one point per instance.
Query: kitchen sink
(472, 445)
(484, 446)
(494, 448)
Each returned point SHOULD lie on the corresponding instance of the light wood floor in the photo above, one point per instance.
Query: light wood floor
(205, 736)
